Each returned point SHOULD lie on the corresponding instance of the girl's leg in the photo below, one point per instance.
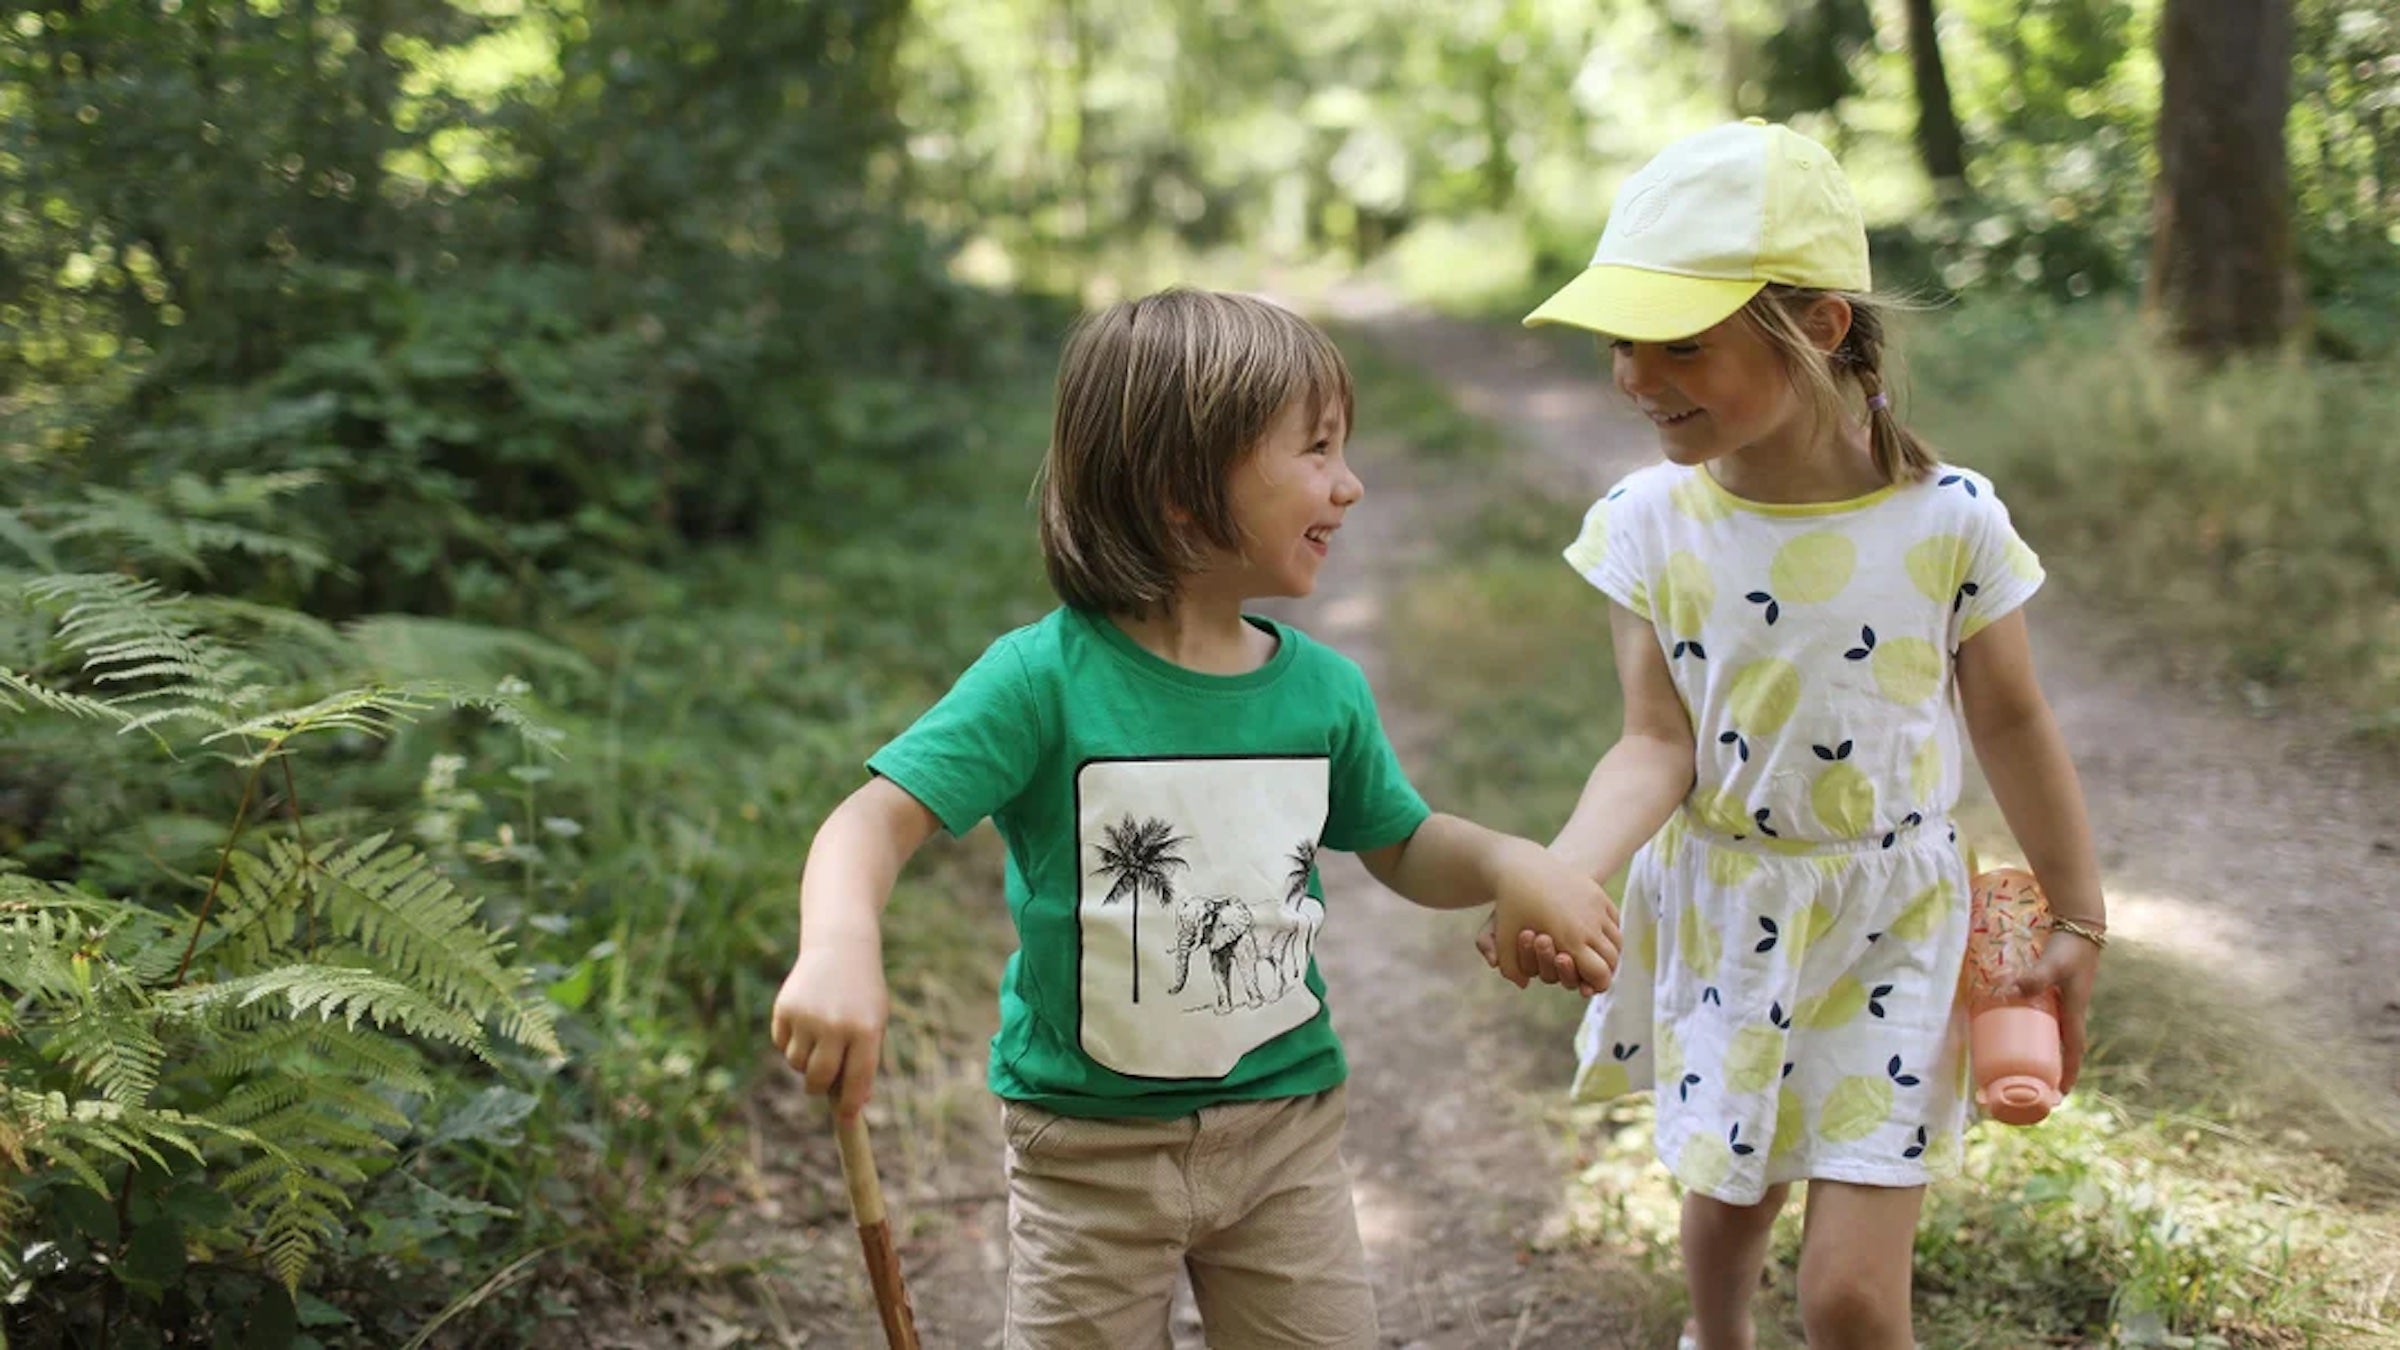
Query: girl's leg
(1724, 1251)
(1856, 1253)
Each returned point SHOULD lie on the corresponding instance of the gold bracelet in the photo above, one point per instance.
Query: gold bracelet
(2093, 933)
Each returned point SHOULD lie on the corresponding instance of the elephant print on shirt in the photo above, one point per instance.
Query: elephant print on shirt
(1196, 915)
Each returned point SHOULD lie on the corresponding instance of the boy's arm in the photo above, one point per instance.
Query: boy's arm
(2025, 760)
(829, 1017)
(1449, 863)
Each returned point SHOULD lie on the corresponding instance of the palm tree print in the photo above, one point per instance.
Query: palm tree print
(1288, 954)
(1140, 856)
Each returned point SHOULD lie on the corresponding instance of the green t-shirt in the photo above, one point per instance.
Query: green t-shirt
(1162, 828)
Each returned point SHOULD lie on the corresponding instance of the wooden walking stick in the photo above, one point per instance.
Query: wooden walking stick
(875, 1235)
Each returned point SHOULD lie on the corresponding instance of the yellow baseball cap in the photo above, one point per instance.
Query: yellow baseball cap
(1708, 223)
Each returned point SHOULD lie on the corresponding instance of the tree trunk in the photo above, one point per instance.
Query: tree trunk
(2221, 260)
(1939, 144)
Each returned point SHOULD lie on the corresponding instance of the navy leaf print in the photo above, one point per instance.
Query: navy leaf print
(1823, 752)
(1917, 1149)
(1710, 995)
(1903, 1079)
(1788, 1066)
(1734, 1137)
(1760, 815)
(1875, 1000)
(1697, 650)
(1767, 943)
(1683, 1090)
(1781, 1019)
(1622, 1052)
(1843, 752)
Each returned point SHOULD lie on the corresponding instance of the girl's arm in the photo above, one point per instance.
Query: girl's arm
(1632, 790)
(830, 1015)
(1636, 785)
(2025, 759)
(1450, 863)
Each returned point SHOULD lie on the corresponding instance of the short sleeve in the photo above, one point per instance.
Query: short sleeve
(974, 751)
(1372, 802)
(2002, 571)
(1606, 551)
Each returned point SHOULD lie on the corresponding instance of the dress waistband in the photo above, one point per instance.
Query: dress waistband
(1910, 832)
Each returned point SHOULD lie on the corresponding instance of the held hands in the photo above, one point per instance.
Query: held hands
(829, 1020)
(2068, 966)
(1562, 925)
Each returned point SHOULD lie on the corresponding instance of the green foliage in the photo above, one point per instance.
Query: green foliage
(253, 1029)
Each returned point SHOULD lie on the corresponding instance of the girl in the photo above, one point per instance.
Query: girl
(1164, 768)
(1802, 597)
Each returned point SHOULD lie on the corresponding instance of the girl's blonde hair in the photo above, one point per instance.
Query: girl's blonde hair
(1159, 399)
(1778, 311)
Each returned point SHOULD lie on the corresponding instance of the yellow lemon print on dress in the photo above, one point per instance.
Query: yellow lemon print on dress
(2023, 561)
(1761, 699)
(1938, 566)
(1755, 1059)
(1645, 946)
(1924, 913)
(1838, 1006)
(1669, 1058)
(1718, 810)
(1814, 924)
(1590, 548)
(1685, 594)
(1791, 1123)
(1843, 797)
(1699, 500)
(1906, 669)
(1856, 1108)
(1696, 940)
(1807, 570)
(1704, 1161)
(1602, 1081)
(1638, 600)
(1925, 769)
(1730, 867)
(1941, 1155)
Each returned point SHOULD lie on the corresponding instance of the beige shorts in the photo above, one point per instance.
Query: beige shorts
(1252, 1199)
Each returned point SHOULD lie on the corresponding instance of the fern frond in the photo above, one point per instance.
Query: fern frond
(15, 687)
(148, 532)
(77, 1136)
(365, 1056)
(28, 540)
(117, 1055)
(399, 907)
(377, 711)
(346, 993)
(121, 624)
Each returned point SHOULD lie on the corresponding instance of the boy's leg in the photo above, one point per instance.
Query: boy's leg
(1098, 1215)
(1724, 1250)
(1278, 1260)
(1856, 1249)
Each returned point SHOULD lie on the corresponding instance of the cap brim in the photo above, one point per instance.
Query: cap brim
(1643, 306)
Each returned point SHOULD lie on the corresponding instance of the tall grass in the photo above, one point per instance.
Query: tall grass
(2252, 510)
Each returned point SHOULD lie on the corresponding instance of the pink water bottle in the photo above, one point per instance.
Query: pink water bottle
(2015, 1042)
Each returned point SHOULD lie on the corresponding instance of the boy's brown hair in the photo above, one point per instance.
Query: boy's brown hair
(1859, 360)
(1159, 399)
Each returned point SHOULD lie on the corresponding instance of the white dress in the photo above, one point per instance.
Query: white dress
(1794, 933)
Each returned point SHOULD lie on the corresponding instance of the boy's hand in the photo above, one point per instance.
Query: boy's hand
(1550, 921)
(829, 1020)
